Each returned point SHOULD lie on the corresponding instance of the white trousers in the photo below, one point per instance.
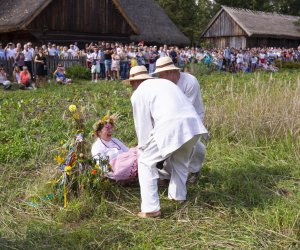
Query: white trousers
(197, 157)
(195, 161)
(148, 173)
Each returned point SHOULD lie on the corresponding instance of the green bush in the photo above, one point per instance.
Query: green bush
(199, 69)
(79, 72)
(287, 65)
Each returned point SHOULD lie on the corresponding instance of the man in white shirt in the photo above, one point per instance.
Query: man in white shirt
(190, 86)
(2, 52)
(167, 126)
(28, 58)
(10, 51)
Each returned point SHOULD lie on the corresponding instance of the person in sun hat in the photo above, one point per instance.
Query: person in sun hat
(190, 86)
(167, 126)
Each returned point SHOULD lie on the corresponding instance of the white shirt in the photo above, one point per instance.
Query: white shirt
(110, 148)
(191, 88)
(2, 53)
(161, 110)
(72, 52)
(28, 55)
(10, 53)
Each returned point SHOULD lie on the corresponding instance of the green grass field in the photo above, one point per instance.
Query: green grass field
(247, 197)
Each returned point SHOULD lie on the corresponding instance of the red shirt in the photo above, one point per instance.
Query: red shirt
(24, 76)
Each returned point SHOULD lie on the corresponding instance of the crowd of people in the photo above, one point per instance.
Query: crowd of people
(112, 60)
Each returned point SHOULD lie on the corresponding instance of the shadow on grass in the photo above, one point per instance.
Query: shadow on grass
(242, 186)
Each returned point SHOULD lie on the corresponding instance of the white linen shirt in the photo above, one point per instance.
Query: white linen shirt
(111, 148)
(161, 110)
(191, 88)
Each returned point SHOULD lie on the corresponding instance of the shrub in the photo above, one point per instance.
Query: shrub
(287, 65)
(79, 72)
(199, 69)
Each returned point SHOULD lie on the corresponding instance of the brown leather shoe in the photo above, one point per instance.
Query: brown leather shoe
(149, 215)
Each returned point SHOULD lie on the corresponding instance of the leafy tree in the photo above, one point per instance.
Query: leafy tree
(190, 16)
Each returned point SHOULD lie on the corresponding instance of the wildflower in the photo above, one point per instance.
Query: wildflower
(68, 168)
(76, 116)
(72, 108)
(94, 172)
(59, 159)
(97, 166)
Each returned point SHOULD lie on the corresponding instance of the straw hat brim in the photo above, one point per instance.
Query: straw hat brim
(167, 68)
(139, 77)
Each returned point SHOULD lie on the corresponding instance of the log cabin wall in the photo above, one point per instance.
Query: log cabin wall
(222, 42)
(78, 16)
(224, 26)
(272, 42)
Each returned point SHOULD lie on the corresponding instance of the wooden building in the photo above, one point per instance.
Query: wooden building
(66, 21)
(242, 28)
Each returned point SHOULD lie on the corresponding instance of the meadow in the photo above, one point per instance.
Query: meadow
(247, 196)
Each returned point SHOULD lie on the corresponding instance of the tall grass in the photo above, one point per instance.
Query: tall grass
(259, 111)
(247, 196)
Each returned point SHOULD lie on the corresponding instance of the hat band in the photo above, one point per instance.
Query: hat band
(140, 73)
(164, 65)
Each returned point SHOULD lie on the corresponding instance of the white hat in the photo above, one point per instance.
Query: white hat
(137, 73)
(165, 64)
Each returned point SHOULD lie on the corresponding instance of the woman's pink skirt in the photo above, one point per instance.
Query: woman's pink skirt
(124, 166)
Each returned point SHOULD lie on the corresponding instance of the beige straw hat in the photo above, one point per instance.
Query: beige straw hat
(164, 64)
(137, 73)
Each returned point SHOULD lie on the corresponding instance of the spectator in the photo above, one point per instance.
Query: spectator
(16, 75)
(26, 80)
(19, 58)
(95, 70)
(60, 75)
(29, 55)
(3, 79)
(41, 67)
(2, 52)
(115, 65)
(107, 61)
(10, 51)
(123, 64)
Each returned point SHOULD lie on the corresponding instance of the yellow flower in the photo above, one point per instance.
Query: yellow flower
(76, 116)
(59, 159)
(72, 108)
(97, 166)
(68, 168)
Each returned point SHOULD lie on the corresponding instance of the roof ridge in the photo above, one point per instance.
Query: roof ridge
(256, 12)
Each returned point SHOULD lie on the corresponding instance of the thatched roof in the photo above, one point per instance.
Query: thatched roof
(146, 18)
(16, 14)
(258, 23)
(153, 23)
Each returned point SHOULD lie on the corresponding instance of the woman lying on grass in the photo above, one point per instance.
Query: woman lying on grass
(122, 160)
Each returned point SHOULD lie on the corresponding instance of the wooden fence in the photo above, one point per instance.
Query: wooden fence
(8, 64)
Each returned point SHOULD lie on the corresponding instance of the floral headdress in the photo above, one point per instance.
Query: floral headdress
(112, 119)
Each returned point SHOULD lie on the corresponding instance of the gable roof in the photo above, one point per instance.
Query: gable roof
(259, 23)
(146, 18)
(152, 21)
(16, 14)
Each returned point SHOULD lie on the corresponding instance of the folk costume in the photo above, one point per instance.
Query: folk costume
(190, 86)
(122, 159)
(167, 126)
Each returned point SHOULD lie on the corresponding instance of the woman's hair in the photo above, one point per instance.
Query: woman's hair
(107, 119)
(100, 126)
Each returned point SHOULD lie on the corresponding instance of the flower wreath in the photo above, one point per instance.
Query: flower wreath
(112, 119)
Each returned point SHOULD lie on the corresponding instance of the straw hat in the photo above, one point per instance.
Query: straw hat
(137, 73)
(164, 64)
